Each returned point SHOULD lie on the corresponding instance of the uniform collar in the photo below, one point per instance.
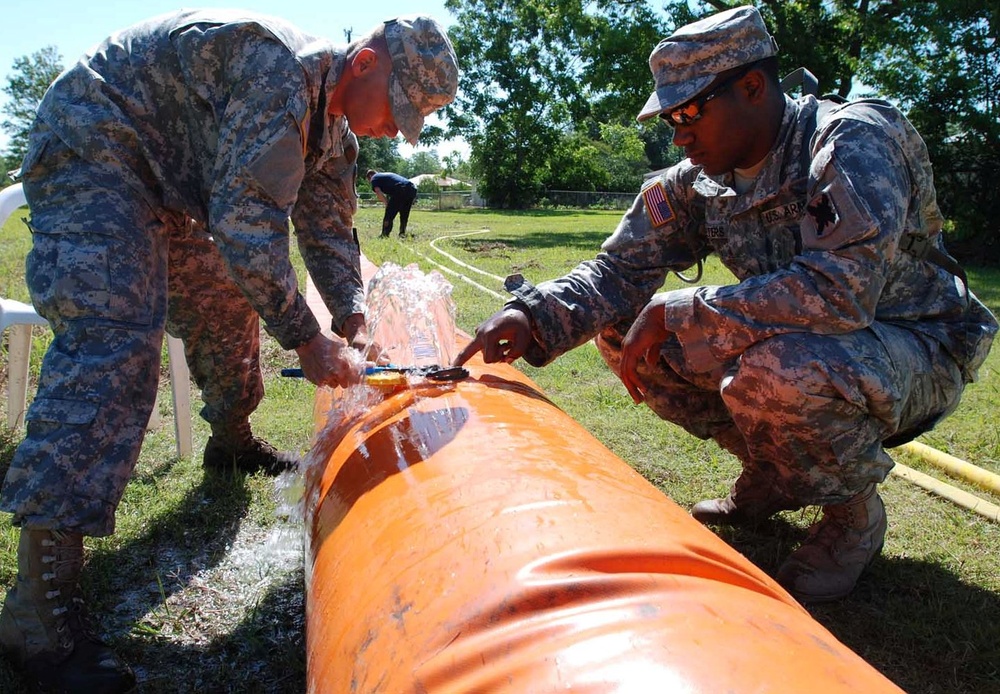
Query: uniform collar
(323, 64)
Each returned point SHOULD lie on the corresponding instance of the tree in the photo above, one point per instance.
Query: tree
(422, 163)
(454, 165)
(575, 164)
(31, 76)
(940, 62)
(506, 118)
(624, 157)
(379, 153)
(542, 71)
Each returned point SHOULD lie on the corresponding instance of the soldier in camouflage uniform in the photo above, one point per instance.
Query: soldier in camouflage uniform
(850, 330)
(161, 174)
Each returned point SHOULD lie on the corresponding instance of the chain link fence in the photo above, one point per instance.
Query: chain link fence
(453, 200)
(443, 200)
(587, 200)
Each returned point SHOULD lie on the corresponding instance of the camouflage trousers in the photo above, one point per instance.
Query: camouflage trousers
(110, 273)
(813, 413)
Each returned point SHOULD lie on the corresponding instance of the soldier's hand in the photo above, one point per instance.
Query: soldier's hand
(643, 342)
(504, 336)
(327, 362)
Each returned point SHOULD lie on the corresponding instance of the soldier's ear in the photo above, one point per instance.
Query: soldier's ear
(753, 85)
(363, 62)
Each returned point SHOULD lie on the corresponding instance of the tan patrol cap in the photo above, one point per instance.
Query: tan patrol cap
(688, 60)
(424, 71)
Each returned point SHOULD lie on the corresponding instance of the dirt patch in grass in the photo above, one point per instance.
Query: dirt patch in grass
(488, 249)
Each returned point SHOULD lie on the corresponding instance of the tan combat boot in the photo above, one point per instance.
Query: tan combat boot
(838, 550)
(751, 500)
(234, 448)
(44, 625)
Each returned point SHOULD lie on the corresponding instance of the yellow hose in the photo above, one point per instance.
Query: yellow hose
(954, 494)
(954, 466)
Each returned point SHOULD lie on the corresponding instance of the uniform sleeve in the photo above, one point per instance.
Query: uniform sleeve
(633, 263)
(257, 175)
(323, 220)
(857, 196)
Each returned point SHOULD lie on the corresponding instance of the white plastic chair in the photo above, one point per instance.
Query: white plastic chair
(19, 317)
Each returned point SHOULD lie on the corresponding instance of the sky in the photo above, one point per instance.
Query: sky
(73, 26)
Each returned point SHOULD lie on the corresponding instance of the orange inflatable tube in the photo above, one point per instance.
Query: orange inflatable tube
(472, 537)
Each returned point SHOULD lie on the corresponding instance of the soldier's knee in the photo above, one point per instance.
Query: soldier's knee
(793, 359)
(783, 369)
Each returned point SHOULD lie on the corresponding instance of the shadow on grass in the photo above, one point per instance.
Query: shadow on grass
(265, 652)
(904, 617)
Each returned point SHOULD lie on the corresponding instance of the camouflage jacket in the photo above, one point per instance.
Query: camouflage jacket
(221, 117)
(814, 243)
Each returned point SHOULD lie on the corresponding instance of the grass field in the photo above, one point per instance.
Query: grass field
(201, 586)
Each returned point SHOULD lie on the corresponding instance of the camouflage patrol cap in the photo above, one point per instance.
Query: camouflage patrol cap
(424, 71)
(688, 60)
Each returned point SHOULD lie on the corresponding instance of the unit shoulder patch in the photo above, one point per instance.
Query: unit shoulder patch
(824, 213)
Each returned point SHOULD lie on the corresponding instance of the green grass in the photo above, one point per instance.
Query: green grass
(927, 614)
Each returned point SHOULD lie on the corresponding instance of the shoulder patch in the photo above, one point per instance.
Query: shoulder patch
(657, 203)
(824, 213)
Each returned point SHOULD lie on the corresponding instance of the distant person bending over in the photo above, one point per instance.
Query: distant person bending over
(849, 330)
(162, 172)
(398, 194)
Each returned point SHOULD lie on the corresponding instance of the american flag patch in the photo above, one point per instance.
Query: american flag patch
(657, 205)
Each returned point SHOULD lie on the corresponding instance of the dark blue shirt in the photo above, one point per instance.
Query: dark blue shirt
(392, 184)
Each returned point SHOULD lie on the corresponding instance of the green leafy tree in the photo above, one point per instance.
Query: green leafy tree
(456, 167)
(510, 160)
(542, 70)
(624, 157)
(940, 61)
(576, 164)
(506, 117)
(379, 153)
(421, 163)
(25, 87)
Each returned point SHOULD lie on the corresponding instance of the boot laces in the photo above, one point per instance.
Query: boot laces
(72, 617)
(838, 520)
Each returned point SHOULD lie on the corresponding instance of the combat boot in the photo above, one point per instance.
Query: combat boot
(752, 499)
(44, 626)
(837, 551)
(234, 448)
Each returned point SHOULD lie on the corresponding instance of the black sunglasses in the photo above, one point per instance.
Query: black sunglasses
(691, 111)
